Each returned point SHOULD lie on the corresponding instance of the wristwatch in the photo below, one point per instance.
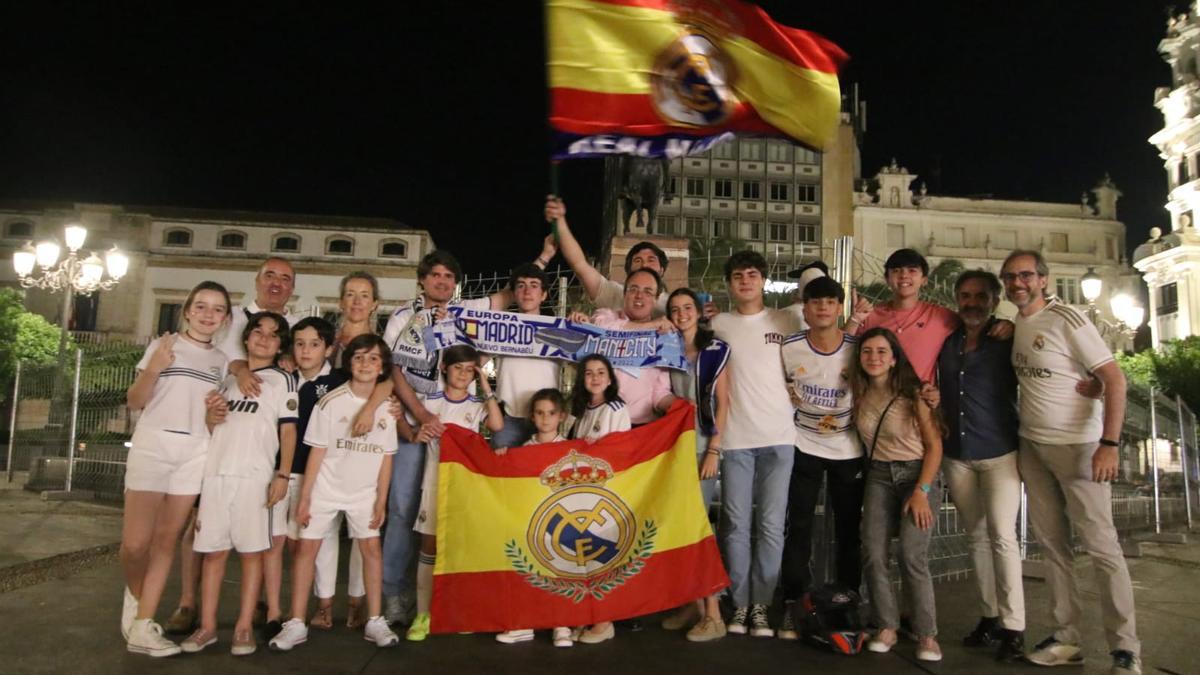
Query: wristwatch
(1109, 442)
(925, 487)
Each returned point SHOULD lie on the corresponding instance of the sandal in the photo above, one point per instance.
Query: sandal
(322, 618)
(354, 613)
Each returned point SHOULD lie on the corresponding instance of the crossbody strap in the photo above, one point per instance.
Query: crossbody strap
(878, 426)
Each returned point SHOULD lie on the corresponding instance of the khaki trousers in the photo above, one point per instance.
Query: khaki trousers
(1061, 493)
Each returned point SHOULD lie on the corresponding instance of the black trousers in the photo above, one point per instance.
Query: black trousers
(845, 485)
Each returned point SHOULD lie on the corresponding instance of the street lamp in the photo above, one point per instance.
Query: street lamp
(1125, 310)
(74, 275)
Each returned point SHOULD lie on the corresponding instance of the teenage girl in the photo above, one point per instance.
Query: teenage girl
(904, 450)
(165, 465)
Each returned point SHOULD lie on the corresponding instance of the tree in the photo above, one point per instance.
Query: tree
(1174, 367)
(1139, 368)
(25, 336)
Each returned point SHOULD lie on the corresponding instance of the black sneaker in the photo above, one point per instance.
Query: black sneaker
(271, 629)
(1125, 663)
(986, 633)
(1012, 646)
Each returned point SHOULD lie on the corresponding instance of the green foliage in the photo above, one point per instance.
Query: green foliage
(1139, 368)
(24, 336)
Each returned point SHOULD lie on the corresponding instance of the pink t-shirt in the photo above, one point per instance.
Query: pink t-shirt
(920, 330)
(642, 391)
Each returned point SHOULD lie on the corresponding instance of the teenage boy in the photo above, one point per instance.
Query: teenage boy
(759, 441)
(1067, 458)
(519, 377)
(438, 274)
(346, 475)
(817, 364)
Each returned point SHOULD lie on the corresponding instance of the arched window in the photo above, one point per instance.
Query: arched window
(393, 249)
(339, 246)
(232, 239)
(177, 237)
(285, 243)
(18, 229)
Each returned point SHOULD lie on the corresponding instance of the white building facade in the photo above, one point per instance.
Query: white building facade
(1170, 262)
(171, 250)
(980, 233)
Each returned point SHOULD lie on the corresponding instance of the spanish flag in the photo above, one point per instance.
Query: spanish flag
(624, 70)
(568, 534)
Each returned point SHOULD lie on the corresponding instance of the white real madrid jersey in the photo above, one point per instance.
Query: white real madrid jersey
(819, 386)
(350, 470)
(177, 402)
(600, 420)
(1052, 351)
(246, 443)
(467, 413)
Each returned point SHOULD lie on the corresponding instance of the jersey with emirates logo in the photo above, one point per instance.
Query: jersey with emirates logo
(819, 385)
(350, 470)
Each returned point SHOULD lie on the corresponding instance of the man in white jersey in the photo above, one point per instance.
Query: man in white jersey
(437, 273)
(1068, 455)
(273, 286)
(602, 291)
(817, 364)
(759, 441)
(519, 377)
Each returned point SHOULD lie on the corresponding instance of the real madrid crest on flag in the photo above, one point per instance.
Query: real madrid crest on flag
(571, 533)
(581, 532)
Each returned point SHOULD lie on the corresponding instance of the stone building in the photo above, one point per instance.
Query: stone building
(1170, 262)
(173, 249)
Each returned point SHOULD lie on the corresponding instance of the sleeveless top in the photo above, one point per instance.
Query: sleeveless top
(899, 437)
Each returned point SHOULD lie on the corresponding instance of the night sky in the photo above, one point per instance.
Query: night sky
(434, 113)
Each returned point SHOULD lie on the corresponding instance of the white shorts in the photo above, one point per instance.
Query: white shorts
(427, 514)
(283, 516)
(165, 461)
(323, 520)
(233, 514)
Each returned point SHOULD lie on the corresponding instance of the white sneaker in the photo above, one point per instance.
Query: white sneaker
(129, 607)
(563, 637)
(294, 632)
(512, 637)
(377, 631)
(146, 637)
(1051, 652)
(787, 629)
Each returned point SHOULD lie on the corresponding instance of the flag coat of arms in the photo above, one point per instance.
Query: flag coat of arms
(571, 533)
(657, 78)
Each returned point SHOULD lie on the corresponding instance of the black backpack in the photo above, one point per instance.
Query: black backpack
(828, 617)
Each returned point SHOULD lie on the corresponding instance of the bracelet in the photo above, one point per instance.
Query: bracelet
(491, 395)
(283, 476)
(540, 262)
(1109, 443)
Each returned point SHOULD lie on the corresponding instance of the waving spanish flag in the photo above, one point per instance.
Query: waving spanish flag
(657, 77)
(567, 534)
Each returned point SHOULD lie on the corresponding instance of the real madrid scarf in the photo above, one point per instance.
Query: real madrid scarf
(511, 334)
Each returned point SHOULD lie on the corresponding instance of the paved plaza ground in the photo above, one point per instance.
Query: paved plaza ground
(60, 592)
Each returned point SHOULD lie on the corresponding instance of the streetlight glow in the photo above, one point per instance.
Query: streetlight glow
(1091, 284)
(75, 236)
(117, 263)
(47, 254)
(23, 260)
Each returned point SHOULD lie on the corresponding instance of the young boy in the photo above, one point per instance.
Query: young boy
(549, 411)
(519, 377)
(758, 442)
(816, 363)
(345, 475)
(241, 485)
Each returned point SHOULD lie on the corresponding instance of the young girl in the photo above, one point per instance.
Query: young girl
(165, 464)
(904, 448)
(705, 383)
(241, 484)
(596, 405)
(548, 410)
(453, 405)
(597, 410)
(346, 475)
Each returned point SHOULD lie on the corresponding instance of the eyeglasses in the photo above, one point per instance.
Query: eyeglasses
(1025, 276)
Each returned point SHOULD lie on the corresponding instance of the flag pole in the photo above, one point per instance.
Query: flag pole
(553, 162)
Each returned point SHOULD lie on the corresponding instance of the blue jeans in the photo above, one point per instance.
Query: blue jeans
(754, 476)
(404, 497)
(516, 432)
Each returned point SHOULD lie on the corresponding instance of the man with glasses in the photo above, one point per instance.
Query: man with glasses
(1068, 455)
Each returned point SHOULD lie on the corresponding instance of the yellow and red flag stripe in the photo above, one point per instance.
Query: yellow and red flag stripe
(571, 533)
(605, 55)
